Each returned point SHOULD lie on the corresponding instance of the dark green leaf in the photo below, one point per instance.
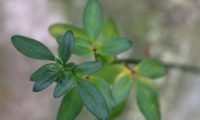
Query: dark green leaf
(32, 48)
(82, 48)
(59, 29)
(64, 85)
(70, 66)
(115, 46)
(46, 80)
(71, 106)
(110, 29)
(88, 67)
(66, 46)
(151, 68)
(147, 100)
(45, 69)
(122, 87)
(105, 90)
(93, 99)
(92, 19)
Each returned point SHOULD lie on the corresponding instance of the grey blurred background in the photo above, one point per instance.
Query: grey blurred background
(170, 28)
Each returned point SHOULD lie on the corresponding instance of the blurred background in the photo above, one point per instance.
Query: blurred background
(169, 28)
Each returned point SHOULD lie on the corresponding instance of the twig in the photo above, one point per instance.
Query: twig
(187, 68)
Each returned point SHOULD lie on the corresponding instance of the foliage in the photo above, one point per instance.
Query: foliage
(102, 87)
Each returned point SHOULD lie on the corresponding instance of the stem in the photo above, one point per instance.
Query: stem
(187, 68)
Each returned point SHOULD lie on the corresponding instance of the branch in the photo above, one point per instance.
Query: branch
(187, 68)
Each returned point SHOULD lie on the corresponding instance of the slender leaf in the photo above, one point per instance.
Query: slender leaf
(151, 68)
(147, 100)
(32, 48)
(110, 29)
(64, 85)
(115, 46)
(82, 48)
(46, 80)
(59, 29)
(71, 106)
(93, 99)
(45, 69)
(88, 67)
(122, 87)
(92, 18)
(66, 46)
(105, 90)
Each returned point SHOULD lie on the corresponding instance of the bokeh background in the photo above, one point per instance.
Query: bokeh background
(170, 28)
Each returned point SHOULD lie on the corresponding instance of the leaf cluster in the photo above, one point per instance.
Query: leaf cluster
(102, 87)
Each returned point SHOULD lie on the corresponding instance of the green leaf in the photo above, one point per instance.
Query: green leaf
(32, 48)
(64, 85)
(66, 46)
(45, 69)
(46, 80)
(115, 46)
(106, 74)
(82, 48)
(117, 110)
(92, 19)
(59, 29)
(147, 100)
(151, 68)
(71, 106)
(70, 66)
(93, 99)
(105, 90)
(110, 29)
(88, 67)
(122, 87)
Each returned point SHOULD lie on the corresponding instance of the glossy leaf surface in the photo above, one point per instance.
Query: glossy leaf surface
(66, 46)
(71, 106)
(105, 90)
(64, 85)
(32, 48)
(45, 69)
(93, 99)
(88, 67)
